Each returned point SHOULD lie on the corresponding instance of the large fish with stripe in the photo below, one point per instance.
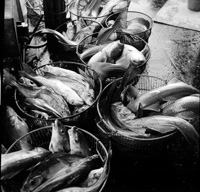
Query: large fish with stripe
(174, 90)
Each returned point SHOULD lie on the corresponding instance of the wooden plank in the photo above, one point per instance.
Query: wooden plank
(176, 13)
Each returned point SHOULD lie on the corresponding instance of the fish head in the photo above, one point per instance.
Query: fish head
(60, 138)
(135, 57)
(78, 142)
(27, 82)
(31, 183)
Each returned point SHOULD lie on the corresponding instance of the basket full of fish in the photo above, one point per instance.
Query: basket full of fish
(148, 114)
(111, 59)
(56, 158)
(74, 31)
(137, 23)
(61, 90)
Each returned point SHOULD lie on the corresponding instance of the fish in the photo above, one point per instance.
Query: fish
(82, 89)
(186, 107)
(94, 179)
(89, 7)
(90, 51)
(131, 55)
(59, 87)
(66, 177)
(120, 22)
(135, 27)
(108, 7)
(59, 138)
(14, 162)
(164, 124)
(58, 35)
(100, 56)
(121, 115)
(96, 8)
(70, 33)
(62, 72)
(26, 81)
(47, 168)
(121, 6)
(83, 33)
(80, 109)
(109, 53)
(14, 128)
(41, 105)
(106, 69)
(47, 94)
(174, 90)
(130, 92)
(78, 142)
(74, 9)
(113, 50)
(39, 114)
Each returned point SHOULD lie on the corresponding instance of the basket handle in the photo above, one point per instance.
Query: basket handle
(105, 133)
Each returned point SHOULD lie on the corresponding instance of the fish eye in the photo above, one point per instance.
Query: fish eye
(62, 131)
(32, 182)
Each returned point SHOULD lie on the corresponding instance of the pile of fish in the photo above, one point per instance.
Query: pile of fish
(56, 93)
(112, 57)
(157, 112)
(69, 164)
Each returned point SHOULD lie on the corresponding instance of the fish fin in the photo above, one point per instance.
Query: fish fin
(154, 107)
(133, 91)
(174, 80)
(139, 112)
(118, 23)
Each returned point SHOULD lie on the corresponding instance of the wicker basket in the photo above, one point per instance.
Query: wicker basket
(133, 15)
(82, 118)
(105, 125)
(41, 138)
